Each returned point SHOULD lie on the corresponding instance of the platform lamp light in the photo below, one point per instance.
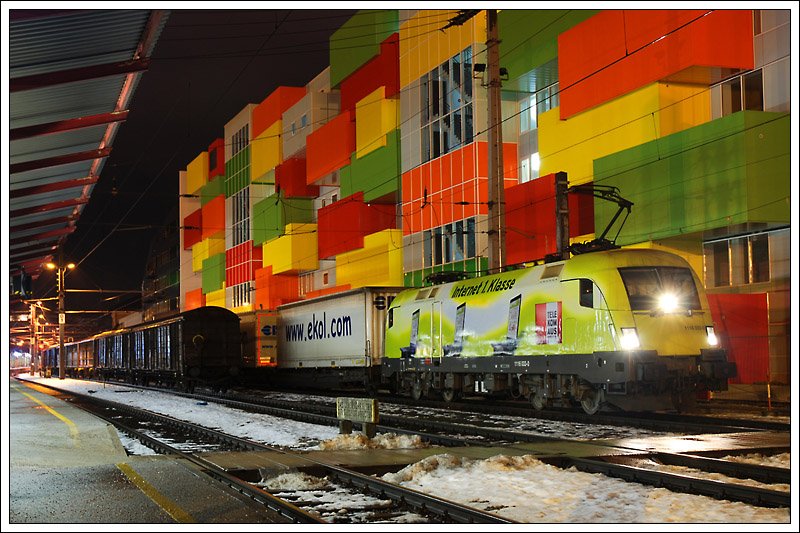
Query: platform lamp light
(62, 316)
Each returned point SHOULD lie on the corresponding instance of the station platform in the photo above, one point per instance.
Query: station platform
(66, 466)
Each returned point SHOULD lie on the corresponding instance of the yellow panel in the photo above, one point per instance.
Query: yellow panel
(197, 173)
(379, 263)
(423, 47)
(216, 244)
(216, 297)
(266, 150)
(242, 309)
(375, 117)
(199, 253)
(683, 107)
(651, 112)
(294, 252)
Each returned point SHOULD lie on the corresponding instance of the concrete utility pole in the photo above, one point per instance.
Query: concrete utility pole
(62, 318)
(497, 202)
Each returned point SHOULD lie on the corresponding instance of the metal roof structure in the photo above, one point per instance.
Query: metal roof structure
(72, 75)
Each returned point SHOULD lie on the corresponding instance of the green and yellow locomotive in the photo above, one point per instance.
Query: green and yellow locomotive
(628, 328)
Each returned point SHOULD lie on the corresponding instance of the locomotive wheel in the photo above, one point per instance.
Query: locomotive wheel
(538, 400)
(416, 390)
(591, 401)
(449, 395)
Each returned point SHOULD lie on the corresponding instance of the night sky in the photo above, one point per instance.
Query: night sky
(207, 65)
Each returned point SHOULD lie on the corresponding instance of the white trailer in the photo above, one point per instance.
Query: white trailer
(337, 337)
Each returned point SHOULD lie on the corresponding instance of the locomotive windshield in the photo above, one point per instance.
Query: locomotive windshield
(668, 288)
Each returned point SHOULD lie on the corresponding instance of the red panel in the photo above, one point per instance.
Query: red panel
(213, 216)
(342, 225)
(383, 70)
(192, 229)
(592, 73)
(272, 107)
(329, 147)
(216, 159)
(531, 219)
(243, 263)
(290, 179)
(194, 299)
(741, 322)
(468, 161)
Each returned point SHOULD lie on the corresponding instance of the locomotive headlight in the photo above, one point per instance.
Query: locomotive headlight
(712, 337)
(630, 339)
(668, 302)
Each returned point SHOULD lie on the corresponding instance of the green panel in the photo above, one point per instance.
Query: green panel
(700, 179)
(212, 189)
(377, 173)
(529, 44)
(358, 41)
(213, 273)
(768, 157)
(237, 172)
(271, 214)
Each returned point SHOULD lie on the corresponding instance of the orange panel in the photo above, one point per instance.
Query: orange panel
(272, 107)
(457, 166)
(642, 27)
(194, 299)
(468, 166)
(327, 290)
(510, 169)
(590, 46)
(699, 53)
(405, 186)
(447, 178)
(482, 167)
(436, 176)
(329, 147)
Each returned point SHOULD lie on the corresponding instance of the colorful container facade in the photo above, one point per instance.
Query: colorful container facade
(376, 172)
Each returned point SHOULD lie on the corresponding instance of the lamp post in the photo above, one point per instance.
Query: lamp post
(62, 316)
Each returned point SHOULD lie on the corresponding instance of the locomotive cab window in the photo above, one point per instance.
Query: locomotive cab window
(586, 292)
(390, 319)
(664, 288)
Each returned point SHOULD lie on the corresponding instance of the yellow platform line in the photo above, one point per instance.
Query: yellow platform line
(171, 508)
(73, 429)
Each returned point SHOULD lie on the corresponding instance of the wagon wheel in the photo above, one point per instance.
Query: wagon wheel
(591, 401)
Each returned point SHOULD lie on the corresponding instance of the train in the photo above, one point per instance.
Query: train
(626, 329)
(197, 347)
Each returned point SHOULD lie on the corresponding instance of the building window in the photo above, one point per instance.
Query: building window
(743, 92)
(737, 261)
(446, 106)
(446, 244)
(240, 140)
(240, 202)
(241, 294)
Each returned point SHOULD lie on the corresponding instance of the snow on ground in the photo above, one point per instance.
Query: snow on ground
(546, 494)
(521, 488)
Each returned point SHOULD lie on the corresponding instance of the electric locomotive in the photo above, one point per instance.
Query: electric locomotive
(629, 328)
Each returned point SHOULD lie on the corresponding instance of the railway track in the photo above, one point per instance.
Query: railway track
(388, 498)
(633, 466)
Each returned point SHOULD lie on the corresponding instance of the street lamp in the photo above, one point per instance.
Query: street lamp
(62, 316)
